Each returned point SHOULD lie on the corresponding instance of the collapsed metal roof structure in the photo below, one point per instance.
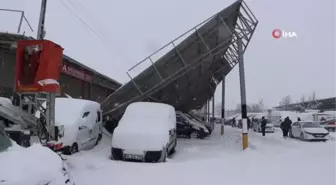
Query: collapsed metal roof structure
(187, 75)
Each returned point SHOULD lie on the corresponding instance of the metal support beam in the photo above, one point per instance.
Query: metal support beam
(208, 102)
(135, 85)
(20, 23)
(157, 71)
(200, 36)
(223, 105)
(242, 93)
(213, 107)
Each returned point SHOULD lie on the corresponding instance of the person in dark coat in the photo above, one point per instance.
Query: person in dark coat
(286, 126)
(299, 119)
(233, 122)
(263, 126)
(249, 123)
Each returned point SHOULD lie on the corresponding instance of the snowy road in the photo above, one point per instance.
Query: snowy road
(269, 160)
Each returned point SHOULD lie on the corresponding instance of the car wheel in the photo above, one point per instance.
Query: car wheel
(194, 135)
(301, 136)
(70, 149)
(173, 150)
(74, 148)
(98, 139)
(165, 156)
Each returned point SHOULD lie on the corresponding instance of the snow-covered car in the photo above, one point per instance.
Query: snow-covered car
(329, 125)
(36, 165)
(146, 132)
(306, 130)
(270, 128)
(188, 127)
(80, 123)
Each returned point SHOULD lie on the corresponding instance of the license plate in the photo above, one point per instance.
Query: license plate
(132, 156)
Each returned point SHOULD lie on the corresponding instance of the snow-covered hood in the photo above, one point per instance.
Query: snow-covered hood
(196, 124)
(31, 166)
(140, 140)
(316, 130)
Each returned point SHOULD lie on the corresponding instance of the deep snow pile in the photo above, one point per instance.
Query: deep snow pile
(31, 166)
(217, 160)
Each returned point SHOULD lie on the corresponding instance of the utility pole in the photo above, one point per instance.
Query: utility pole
(242, 92)
(50, 97)
(223, 105)
(40, 29)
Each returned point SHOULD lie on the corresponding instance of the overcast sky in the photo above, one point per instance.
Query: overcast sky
(133, 29)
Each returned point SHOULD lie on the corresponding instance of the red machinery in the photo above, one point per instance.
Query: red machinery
(38, 66)
(37, 72)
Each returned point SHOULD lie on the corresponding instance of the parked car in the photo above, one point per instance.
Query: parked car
(146, 132)
(30, 166)
(329, 125)
(269, 126)
(209, 125)
(81, 124)
(186, 127)
(306, 130)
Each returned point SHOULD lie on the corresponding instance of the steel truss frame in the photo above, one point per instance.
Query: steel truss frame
(228, 50)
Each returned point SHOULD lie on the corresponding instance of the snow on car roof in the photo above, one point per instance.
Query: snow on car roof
(147, 114)
(147, 110)
(68, 110)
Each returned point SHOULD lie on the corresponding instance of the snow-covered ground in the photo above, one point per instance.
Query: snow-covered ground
(216, 160)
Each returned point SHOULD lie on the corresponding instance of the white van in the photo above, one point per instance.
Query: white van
(82, 124)
(146, 132)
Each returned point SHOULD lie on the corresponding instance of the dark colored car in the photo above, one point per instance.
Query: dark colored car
(186, 127)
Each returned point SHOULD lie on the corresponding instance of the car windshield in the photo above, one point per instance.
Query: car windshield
(311, 125)
(4, 141)
(193, 117)
(189, 116)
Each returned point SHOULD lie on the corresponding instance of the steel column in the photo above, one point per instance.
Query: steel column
(223, 105)
(242, 93)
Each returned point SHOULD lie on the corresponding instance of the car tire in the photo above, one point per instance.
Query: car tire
(194, 135)
(69, 150)
(98, 139)
(164, 159)
(173, 150)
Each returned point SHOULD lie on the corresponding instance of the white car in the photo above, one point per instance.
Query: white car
(270, 128)
(30, 166)
(308, 130)
(146, 133)
(80, 123)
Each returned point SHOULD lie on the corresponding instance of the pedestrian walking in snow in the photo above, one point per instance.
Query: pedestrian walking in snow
(263, 126)
(299, 119)
(233, 122)
(286, 126)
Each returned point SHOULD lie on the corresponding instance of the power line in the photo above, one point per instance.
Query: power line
(87, 11)
(83, 21)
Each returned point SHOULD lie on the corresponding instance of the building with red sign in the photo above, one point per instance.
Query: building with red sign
(77, 80)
